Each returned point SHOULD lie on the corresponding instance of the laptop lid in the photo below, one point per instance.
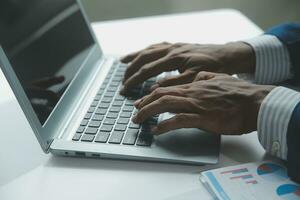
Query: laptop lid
(48, 52)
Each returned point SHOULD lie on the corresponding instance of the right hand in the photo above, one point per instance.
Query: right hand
(188, 59)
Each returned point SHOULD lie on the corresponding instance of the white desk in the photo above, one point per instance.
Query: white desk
(26, 173)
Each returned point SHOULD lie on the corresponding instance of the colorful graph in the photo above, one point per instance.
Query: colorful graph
(247, 176)
(240, 174)
(289, 192)
(235, 171)
(272, 172)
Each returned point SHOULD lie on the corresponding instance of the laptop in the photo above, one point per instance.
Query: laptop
(69, 90)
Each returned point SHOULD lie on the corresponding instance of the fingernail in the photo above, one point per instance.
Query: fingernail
(154, 87)
(137, 103)
(134, 119)
(122, 90)
(154, 130)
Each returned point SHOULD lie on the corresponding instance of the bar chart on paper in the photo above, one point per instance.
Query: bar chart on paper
(266, 180)
(240, 173)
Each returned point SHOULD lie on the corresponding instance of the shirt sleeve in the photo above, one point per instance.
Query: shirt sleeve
(273, 120)
(273, 63)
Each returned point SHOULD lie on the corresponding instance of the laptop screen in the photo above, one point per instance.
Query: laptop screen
(46, 42)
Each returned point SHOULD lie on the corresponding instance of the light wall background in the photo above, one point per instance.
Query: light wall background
(265, 13)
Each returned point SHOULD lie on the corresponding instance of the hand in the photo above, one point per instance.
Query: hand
(188, 59)
(217, 103)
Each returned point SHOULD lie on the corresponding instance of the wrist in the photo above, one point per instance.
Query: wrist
(258, 95)
(240, 58)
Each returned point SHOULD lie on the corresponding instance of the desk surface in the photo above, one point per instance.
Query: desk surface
(27, 173)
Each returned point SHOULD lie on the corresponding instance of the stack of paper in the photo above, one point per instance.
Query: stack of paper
(252, 181)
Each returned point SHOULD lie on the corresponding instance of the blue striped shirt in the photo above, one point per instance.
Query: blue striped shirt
(273, 66)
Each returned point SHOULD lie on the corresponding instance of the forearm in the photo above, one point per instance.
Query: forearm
(278, 127)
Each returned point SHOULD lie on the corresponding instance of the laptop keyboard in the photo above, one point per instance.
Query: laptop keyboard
(108, 119)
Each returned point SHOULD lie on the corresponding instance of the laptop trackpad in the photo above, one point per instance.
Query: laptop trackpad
(188, 141)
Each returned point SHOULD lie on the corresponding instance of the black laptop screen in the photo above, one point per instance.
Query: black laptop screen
(46, 42)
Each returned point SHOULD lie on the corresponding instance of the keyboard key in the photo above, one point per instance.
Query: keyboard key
(117, 79)
(91, 109)
(109, 94)
(91, 131)
(119, 98)
(88, 116)
(100, 91)
(123, 121)
(76, 137)
(109, 121)
(114, 84)
(144, 139)
(106, 81)
(98, 97)
(80, 129)
(128, 108)
(115, 109)
(98, 117)
(117, 103)
(84, 122)
(106, 128)
(119, 74)
(125, 114)
(130, 136)
(134, 126)
(106, 100)
(95, 124)
(120, 127)
(116, 137)
(103, 105)
(112, 115)
(102, 137)
(94, 103)
(129, 102)
(103, 86)
(112, 89)
(101, 111)
(87, 138)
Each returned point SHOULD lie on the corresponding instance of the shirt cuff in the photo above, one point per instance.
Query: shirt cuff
(273, 120)
(272, 60)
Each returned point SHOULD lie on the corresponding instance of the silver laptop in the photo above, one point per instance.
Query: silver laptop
(68, 90)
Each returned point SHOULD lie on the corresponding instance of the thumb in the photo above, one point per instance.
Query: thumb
(185, 77)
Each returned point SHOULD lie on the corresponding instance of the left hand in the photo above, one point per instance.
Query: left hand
(188, 59)
(217, 103)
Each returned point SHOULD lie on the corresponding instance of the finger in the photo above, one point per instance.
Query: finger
(152, 69)
(139, 101)
(48, 82)
(158, 93)
(165, 104)
(130, 57)
(144, 58)
(185, 77)
(202, 76)
(182, 120)
(174, 90)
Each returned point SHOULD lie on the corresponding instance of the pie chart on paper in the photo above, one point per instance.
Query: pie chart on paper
(289, 192)
(272, 172)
